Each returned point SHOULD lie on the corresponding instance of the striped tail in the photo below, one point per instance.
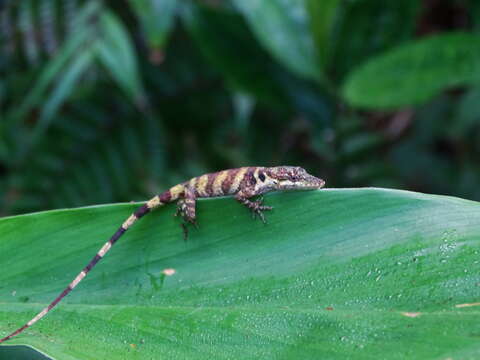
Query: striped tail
(141, 211)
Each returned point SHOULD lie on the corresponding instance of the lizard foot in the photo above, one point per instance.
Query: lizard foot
(184, 226)
(258, 208)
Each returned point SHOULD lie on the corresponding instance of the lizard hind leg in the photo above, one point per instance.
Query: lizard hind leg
(186, 209)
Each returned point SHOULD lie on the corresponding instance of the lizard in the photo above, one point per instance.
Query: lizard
(242, 183)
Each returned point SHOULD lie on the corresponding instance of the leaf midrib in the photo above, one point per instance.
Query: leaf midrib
(255, 307)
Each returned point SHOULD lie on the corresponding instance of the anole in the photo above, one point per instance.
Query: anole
(242, 183)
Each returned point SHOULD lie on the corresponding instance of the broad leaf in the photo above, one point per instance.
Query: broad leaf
(468, 113)
(115, 50)
(282, 27)
(414, 73)
(226, 43)
(47, 76)
(63, 89)
(156, 18)
(334, 274)
(323, 16)
(349, 32)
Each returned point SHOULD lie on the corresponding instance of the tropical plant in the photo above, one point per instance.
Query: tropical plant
(113, 101)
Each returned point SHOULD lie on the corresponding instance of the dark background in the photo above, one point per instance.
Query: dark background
(118, 100)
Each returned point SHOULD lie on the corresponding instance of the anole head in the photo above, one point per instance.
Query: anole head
(293, 178)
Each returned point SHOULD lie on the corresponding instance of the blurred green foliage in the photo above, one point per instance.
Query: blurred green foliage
(105, 101)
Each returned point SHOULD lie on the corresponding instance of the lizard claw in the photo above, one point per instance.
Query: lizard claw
(185, 226)
(194, 223)
(185, 231)
(258, 209)
(261, 216)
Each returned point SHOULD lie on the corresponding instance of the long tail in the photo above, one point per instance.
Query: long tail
(141, 211)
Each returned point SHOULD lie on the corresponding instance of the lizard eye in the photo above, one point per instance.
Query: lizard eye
(261, 176)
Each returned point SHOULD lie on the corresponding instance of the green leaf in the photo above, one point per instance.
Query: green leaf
(115, 50)
(347, 273)
(226, 43)
(414, 73)
(63, 89)
(474, 10)
(323, 16)
(282, 27)
(467, 114)
(349, 32)
(156, 18)
(48, 74)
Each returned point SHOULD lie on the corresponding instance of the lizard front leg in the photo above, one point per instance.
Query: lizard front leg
(186, 208)
(256, 206)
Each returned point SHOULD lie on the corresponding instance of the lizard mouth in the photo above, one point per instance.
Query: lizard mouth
(310, 183)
